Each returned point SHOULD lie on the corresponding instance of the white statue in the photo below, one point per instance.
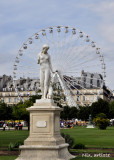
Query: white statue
(45, 68)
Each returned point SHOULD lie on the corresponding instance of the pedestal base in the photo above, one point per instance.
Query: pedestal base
(58, 152)
(44, 141)
(90, 126)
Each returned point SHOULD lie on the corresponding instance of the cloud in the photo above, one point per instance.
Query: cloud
(105, 11)
(21, 18)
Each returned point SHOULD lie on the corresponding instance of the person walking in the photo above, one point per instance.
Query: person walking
(4, 126)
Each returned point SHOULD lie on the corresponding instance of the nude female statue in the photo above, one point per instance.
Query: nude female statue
(45, 68)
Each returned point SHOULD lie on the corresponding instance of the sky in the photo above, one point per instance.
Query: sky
(19, 19)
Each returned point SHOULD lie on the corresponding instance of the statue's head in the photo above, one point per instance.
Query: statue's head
(45, 46)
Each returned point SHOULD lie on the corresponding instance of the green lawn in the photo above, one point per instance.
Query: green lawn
(8, 157)
(11, 136)
(77, 158)
(92, 137)
(92, 158)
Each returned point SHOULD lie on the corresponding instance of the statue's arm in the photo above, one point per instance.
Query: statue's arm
(38, 59)
(50, 65)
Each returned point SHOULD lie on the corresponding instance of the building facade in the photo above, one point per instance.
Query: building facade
(13, 92)
(85, 89)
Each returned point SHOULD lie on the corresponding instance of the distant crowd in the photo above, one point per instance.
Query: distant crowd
(72, 123)
(17, 126)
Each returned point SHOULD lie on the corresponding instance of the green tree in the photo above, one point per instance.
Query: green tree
(73, 113)
(65, 113)
(111, 109)
(83, 113)
(20, 110)
(34, 97)
(69, 113)
(5, 111)
(101, 106)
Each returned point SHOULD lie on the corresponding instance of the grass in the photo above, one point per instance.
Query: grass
(92, 137)
(91, 151)
(92, 158)
(8, 157)
(77, 158)
(7, 137)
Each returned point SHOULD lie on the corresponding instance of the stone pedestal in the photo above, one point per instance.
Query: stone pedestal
(90, 126)
(44, 141)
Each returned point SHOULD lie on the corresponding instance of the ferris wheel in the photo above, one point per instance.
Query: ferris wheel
(73, 56)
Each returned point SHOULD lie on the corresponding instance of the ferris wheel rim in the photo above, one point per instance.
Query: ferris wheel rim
(61, 26)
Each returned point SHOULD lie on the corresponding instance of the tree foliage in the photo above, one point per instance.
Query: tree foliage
(111, 109)
(69, 113)
(20, 110)
(101, 106)
(65, 113)
(101, 121)
(83, 113)
(5, 111)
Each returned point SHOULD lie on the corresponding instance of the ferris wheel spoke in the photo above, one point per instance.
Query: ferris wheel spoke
(84, 62)
(75, 89)
(68, 50)
(65, 43)
(82, 54)
(82, 81)
(78, 70)
(84, 66)
(29, 55)
(71, 74)
(26, 67)
(72, 50)
(78, 89)
(58, 44)
(75, 58)
(82, 87)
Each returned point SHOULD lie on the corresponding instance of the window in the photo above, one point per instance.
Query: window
(98, 83)
(3, 100)
(21, 93)
(15, 100)
(91, 98)
(83, 98)
(78, 98)
(33, 93)
(16, 94)
(78, 92)
(3, 94)
(9, 100)
(91, 81)
(84, 79)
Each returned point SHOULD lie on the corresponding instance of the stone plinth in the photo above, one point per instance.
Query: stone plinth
(44, 141)
(90, 126)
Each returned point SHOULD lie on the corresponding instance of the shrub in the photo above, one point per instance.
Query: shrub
(68, 140)
(17, 144)
(13, 146)
(79, 146)
(101, 121)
